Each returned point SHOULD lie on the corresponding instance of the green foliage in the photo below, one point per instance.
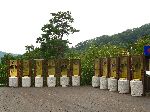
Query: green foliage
(72, 54)
(2, 54)
(29, 48)
(52, 43)
(6, 58)
(139, 45)
(3, 75)
(129, 42)
(32, 54)
(124, 39)
(3, 69)
(3, 65)
(88, 65)
(89, 55)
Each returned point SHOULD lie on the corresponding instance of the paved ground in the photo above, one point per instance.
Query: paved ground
(70, 99)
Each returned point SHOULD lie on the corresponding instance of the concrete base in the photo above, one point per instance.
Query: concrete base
(95, 81)
(26, 81)
(38, 81)
(64, 81)
(136, 87)
(103, 83)
(109, 83)
(123, 86)
(75, 80)
(113, 84)
(13, 81)
(51, 81)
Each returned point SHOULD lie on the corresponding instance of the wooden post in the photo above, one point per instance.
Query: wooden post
(35, 67)
(23, 67)
(71, 67)
(51, 64)
(39, 69)
(58, 71)
(104, 61)
(129, 75)
(97, 70)
(100, 65)
(72, 61)
(108, 68)
(44, 72)
(19, 74)
(117, 68)
(32, 72)
(145, 67)
(8, 72)
(123, 61)
(64, 63)
(139, 59)
(30, 68)
(16, 66)
(80, 67)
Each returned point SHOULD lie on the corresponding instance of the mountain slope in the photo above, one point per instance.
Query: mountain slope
(123, 39)
(2, 54)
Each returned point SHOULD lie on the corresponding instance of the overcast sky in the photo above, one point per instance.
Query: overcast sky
(21, 20)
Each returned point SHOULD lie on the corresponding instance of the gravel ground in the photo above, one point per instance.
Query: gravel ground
(70, 99)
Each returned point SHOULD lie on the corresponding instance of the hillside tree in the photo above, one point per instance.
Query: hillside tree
(52, 44)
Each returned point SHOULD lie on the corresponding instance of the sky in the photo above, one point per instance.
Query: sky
(21, 20)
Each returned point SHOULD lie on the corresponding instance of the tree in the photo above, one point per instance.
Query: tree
(138, 47)
(51, 42)
(125, 39)
(29, 48)
(6, 58)
(32, 53)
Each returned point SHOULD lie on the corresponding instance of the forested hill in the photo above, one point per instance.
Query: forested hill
(2, 54)
(123, 39)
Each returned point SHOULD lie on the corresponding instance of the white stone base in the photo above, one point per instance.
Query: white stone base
(13, 81)
(123, 86)
(136, 87)
(38, 81)
(26, 81)
(112, 82)
(103, 83)
(51, 81)
(109, 83)
(95, 81)
(75, 80)
(64, 81)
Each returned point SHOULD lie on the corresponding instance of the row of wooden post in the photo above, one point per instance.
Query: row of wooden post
(121, 67)
(126, 67)
(44, 67)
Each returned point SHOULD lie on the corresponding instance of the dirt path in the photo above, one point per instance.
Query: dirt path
(70, 99)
